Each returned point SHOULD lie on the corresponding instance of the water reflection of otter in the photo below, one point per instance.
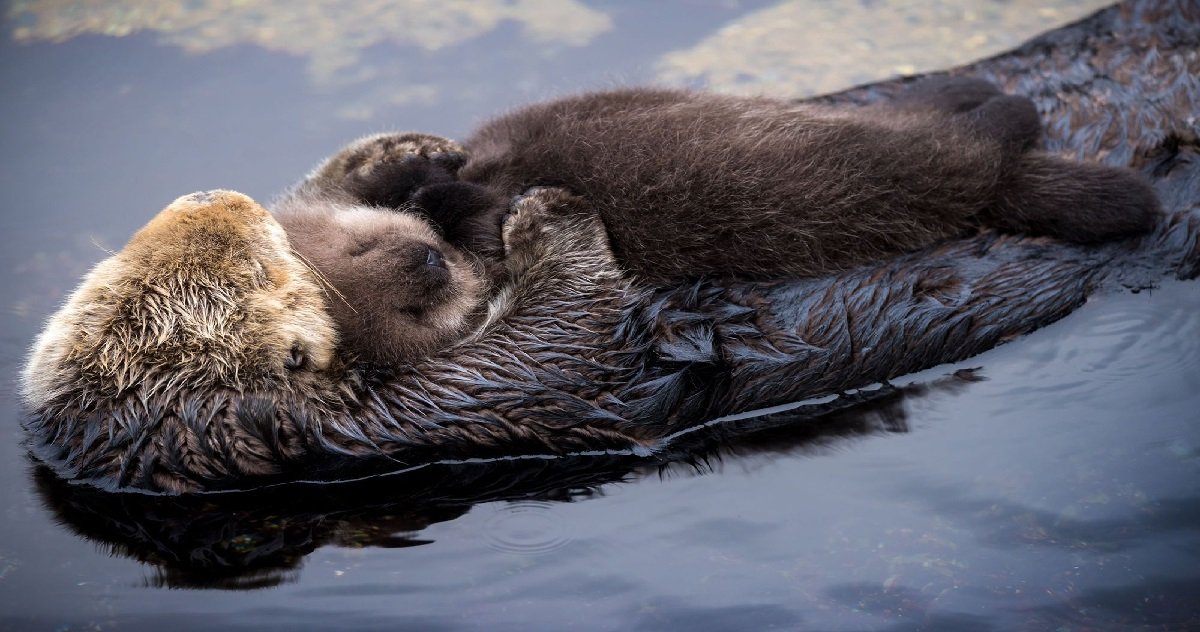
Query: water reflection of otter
(255, 540)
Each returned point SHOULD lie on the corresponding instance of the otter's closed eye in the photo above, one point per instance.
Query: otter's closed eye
(296, 358)
(363, 246)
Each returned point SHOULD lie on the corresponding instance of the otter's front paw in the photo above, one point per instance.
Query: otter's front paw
(525, 225)
(549, 224)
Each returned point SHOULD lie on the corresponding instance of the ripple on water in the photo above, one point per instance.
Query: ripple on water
(525, 527)
(1143, 338)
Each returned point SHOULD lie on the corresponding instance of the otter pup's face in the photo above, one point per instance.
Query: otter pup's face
(401, 291)
(207, 294)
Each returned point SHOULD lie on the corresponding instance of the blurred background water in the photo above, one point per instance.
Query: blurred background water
(1061, 491)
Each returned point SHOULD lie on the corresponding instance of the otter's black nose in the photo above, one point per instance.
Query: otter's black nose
(434, 259)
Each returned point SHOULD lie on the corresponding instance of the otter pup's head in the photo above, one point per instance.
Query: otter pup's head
(401, 291)
(207, 295)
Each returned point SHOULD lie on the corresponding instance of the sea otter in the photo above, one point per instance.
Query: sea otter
(691, 184)
(573, 361)
(202, 356)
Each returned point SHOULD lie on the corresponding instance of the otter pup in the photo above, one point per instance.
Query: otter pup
(399, 289)
(691, 184)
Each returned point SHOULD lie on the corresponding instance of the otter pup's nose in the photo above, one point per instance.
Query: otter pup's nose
(434, 259)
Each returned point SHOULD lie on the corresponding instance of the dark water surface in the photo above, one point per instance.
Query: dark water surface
(1061, 490)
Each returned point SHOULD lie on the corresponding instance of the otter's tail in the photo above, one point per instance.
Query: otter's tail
(1074, 201)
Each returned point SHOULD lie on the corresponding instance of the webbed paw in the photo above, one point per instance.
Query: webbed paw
(949, 94)
(526, 222)
(547, 223)
(387, 169)
(366, 154)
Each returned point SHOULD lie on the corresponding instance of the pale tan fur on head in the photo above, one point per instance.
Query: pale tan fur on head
(207, 294)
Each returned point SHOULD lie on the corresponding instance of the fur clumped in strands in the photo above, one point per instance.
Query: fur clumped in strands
(130, 386)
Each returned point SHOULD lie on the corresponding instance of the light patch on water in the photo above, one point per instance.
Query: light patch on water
(805, 47)
(331, 34)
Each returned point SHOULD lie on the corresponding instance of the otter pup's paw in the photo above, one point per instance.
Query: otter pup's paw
(1008, 119)
(467, 215)
(364, 155)
(386, 169)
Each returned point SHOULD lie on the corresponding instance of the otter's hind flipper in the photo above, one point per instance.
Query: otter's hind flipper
(1074, 201)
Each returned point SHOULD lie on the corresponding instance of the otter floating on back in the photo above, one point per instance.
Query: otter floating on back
(625, 367)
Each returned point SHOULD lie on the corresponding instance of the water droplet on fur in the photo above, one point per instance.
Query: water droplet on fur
(525, 527)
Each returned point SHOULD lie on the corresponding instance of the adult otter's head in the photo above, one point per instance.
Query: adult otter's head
(401, 291)
(166, 368)
(207, 294)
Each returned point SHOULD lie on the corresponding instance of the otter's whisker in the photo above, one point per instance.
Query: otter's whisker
(102, 248)
(326, 286)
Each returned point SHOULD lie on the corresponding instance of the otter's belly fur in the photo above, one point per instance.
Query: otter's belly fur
(581, 358)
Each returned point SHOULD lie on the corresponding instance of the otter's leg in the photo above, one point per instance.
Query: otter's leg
(1011, 120)
(1074, 201)
(385, 169)
(1039, 193)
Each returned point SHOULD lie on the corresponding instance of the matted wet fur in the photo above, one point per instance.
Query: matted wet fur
(692, 184)
(595, 362)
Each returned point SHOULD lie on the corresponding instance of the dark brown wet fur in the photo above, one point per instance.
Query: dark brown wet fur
(186, 541)
(584, 359)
